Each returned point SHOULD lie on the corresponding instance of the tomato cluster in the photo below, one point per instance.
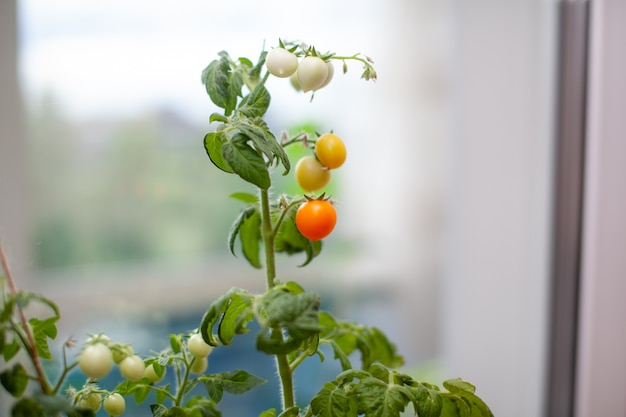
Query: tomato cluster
(310, 74)
(316, 219)
(99, 354)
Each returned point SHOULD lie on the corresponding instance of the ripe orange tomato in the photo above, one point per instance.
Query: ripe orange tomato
(316, 219)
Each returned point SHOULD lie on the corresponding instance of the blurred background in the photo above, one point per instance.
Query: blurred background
(110, 206)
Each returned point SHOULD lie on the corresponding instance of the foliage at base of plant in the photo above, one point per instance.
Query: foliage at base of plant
(291, 326)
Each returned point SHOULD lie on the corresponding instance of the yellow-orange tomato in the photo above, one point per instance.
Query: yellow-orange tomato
(310, 174)
(330, 150)
(316, 219)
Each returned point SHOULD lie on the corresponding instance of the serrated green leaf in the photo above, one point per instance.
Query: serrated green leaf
(256, 130)
(297, 313)
(254, 74)
(245, 197)
(246, 163)
(427, 402)
(465, 390)
(240, 381)
(272, 343)
(378, 399)
(222, 84)
(14, 380)
(250, 237)
(42, 330)
(10, 350)
(235, 318)
(234, 228)
(332, 401)
(213, 143)
(201, 407)
(341, 356)
(455, 406)
(256, 103)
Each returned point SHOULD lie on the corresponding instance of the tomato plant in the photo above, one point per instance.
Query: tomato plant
(290, 322)
(316, 219)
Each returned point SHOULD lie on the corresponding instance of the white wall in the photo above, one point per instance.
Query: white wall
(601, 382)
(493, 300)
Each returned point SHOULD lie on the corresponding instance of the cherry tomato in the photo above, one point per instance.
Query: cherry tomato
(92, 401)
(330, 150)
(281, 63)
(310, 174)
(198, 347)
(132, 368)
(199, 365)
(96, 360)
(316, 219)
(312, 73)
(115, 404)
(151, 374)
(329, 77)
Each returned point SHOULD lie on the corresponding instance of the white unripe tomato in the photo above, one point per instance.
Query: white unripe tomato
(312, 73)
(329, 77)
(281, 63)
(132, 368)
(198, 347)
(96, 360)
(92, 401)
(115, 404)
(199, 365)
(151, 374)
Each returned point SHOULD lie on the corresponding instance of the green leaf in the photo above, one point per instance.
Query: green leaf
(10, 350)
(215, 312)
(465, 390)
(213, 143)
(233, 382)
(42, 330)
(217, 117)
(175, 343)
(332, 401)
(378, 399)
(28, 407)
(236, 317)
(245, 197)
(256, 103)
(341, 356)
(268, 413)
(201, 407)
(158, 410)
(141, 393)
(176, 412)
(297, 313)
(222, 84)
(247, 163)
(426, 401)
(250, 237)
(14, 380)
(256, 130)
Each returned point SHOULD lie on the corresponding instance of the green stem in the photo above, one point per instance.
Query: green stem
(282, 362)
(181, 388)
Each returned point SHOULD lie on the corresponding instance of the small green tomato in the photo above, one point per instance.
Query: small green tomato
(92, 401)
(96, 360)
(132, 368)
(151, 374)
(199, 365)
(198, 347)
(115, 404)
